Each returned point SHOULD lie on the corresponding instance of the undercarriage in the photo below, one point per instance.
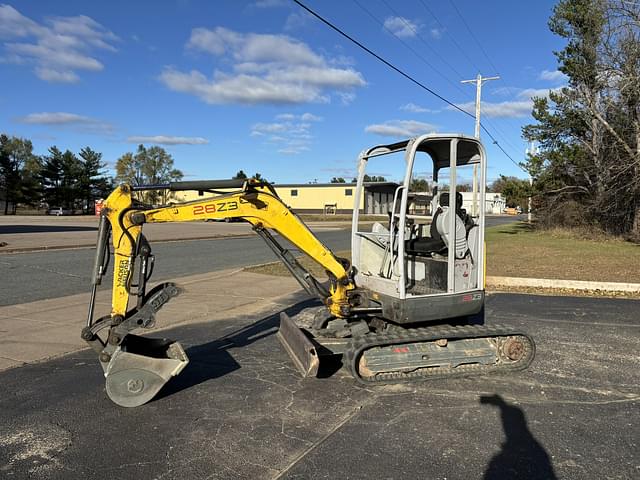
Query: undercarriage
(377, 352)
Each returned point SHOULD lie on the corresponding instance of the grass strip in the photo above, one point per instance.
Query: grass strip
(518, 250)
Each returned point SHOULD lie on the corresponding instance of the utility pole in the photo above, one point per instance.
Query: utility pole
(478, 81)
(531, 151)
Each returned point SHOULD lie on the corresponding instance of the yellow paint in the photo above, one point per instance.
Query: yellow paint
(256, 205)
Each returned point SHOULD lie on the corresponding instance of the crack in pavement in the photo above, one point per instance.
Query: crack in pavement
(356, 410)
(36, 267)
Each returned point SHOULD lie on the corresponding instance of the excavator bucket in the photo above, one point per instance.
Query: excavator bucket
(298, 346)
(140, 367)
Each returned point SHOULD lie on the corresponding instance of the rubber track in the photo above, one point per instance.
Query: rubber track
(429, 334)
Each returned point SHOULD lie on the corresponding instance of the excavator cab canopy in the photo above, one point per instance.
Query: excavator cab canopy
(429, 252)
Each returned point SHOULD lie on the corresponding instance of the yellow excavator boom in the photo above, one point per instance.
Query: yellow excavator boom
(137, 367)
(258, 206)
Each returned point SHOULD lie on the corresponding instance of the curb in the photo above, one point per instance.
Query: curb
(44, 248)
(567, 284)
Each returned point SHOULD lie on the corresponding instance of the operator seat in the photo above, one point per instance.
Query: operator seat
(438, 241)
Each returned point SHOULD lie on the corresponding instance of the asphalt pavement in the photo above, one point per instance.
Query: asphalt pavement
(50, 274)
(241, 411)
(39, 275)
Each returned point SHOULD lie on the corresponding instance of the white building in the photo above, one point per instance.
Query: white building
(494, 203)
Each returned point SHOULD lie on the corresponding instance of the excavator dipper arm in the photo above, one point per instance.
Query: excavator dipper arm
(137, 367)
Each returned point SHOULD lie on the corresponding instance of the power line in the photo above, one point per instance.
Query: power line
(416, 33)
(453, 40)
(417, 54)
(471, 61)
(388, 64)
(473, 36)
(405, 75)
(501, 133)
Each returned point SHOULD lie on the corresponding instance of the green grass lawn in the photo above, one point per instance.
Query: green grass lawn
(517, 250)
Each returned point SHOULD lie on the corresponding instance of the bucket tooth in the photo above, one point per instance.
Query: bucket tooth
(298, 346)
(140, 367)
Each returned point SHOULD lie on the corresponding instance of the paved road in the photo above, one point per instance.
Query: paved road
(240, 410)
(39, 275)
(50, 274)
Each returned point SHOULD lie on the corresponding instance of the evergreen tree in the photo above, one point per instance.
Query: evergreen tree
(587, 170)
(15, 154)
(92, 182)
(61, 177)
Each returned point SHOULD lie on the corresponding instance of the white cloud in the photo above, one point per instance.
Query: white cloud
(520, 107)
(290, 133)
(270, 3)
(168, 140)
(296, 21)
(529, 93)
(56, 76)
(402, 27)
(310, 117)
(553, 76)
(436, 33)
(266, 69)
(305, 117)
(346, 98)
(67, 120)
(400, 128)
(54, 118)
(57, 48)
(508, 109)
(505, 91)
(412, 107)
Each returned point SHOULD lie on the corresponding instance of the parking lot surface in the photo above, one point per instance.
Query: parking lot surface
(241, 410)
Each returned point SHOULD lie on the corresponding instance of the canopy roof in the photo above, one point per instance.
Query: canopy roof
(437, 146)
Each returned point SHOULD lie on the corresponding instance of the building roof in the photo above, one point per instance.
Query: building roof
(347, 184)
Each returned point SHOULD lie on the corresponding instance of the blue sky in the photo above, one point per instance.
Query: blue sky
(261, 85)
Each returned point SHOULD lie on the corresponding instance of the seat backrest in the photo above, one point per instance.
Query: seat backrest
(441, 224)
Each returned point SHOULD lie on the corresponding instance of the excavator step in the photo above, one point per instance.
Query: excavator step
(140, 367)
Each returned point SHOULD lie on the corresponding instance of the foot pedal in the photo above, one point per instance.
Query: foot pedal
(298, 346)
(140, 367)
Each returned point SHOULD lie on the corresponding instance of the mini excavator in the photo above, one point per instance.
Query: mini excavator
(408, 307)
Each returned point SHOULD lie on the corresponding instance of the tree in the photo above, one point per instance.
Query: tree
(51, 177)
(587, 170)
(240, 175)
(338, 180)
(514, 190)
(371, 179)
(60, 178)
(420, 185)
(148, 166)
(257, 176)
(15, 154)
(31, 188)
(92, 182)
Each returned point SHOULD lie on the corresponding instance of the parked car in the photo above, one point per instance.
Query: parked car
(511, 211)
(58, 211)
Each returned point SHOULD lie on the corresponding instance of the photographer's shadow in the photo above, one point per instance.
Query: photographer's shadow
(522, 457)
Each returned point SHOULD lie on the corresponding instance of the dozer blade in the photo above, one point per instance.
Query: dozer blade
(298, 346)
(140, 367)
